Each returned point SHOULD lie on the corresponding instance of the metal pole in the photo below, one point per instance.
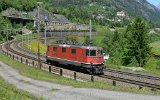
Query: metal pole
(28, 41)
(7, 39)
(31, 36)
(61, 34)
(39, 61)
(90, 29)
(22, 40)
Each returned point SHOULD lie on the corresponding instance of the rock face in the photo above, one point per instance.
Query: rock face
(131, 7)
(158, 6)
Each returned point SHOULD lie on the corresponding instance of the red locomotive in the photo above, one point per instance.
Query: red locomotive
(89, 58)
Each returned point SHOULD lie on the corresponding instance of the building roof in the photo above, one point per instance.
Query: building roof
(61, 18)
(33, 15)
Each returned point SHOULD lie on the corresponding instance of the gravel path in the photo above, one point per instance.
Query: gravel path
(47, 90)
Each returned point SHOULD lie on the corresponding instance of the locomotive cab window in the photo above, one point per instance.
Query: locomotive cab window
(90, 52)
(73, 51)
(63, 50)
(100, 52)
(55, 49)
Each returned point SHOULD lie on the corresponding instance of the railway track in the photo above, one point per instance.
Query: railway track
(8, 47)
(130, 81)
(133, 74)
(149, 83)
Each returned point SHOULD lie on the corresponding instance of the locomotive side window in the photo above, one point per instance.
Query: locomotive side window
(90, 52)
(73, 51)
(55, 49)
(63, 50)
(87, 52)
(48, 48)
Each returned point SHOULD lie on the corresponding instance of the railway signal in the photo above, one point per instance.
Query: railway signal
(46, 20)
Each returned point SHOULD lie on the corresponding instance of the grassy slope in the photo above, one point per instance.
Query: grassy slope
(155, 47)
(153, 65)
(101, 31)
(42, 75)
(9, 92)
(33, 46)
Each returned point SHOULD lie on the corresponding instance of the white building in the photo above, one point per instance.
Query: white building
(121, 14)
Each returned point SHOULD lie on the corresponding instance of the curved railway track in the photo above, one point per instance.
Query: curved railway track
(8, 47)
(140, 80)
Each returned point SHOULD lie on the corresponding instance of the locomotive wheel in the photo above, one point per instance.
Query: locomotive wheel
(96, 70)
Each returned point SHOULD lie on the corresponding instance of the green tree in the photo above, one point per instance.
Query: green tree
(138, 50)
(30, 26)
(71, 38)
(114, 45)
(3, 31)
(88, 41)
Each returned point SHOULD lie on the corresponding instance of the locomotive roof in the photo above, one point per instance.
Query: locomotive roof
(76, 46)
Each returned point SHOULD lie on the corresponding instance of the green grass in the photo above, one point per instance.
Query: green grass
(81, 39)
(9, 92)
(121, 30)
(52, 41)
(153, 66)
(102, 30)
(19, 36)
(43, 75)
(98, 40)
(155, 47)
(33, 46)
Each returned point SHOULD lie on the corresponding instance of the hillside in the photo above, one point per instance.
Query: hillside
(158, 6)
(81, 11)
(110, 7)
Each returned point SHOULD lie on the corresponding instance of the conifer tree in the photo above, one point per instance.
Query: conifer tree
(138, 50)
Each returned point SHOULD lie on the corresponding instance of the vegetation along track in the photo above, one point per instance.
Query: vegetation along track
(115, 75)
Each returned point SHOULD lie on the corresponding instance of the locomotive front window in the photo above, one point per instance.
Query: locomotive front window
(63, 50)
(90, 52)
(55, 49)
